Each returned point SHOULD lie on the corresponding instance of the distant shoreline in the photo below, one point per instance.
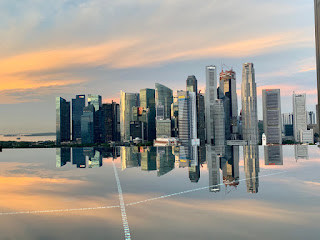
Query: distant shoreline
(29, 134)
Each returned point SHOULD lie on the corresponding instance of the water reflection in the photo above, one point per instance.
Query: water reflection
(251, 167)
(273, 155)
(222, 161)
(301, 152)
(83, 157)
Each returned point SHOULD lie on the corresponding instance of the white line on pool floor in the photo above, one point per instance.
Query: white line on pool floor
(129, 204)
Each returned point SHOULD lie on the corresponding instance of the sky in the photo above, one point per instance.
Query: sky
(67, 47)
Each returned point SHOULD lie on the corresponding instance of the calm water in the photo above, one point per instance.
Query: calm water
(168, 193)
(27, 138)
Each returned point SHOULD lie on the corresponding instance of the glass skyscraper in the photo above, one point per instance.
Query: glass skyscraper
(62, 120)
(77, 109)
(192, 84)
(127, 102)
(164, 97)
(87, 125)
(147, 102)
(111, 121)
(249, 105)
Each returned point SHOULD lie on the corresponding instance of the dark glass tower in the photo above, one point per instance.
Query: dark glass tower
(62, 120)
(110, 116)
(192, 84)
(87, 125)
(77, 109)
(96, 101)
(147, 102)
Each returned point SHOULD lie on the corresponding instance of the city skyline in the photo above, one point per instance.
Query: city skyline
(282, 49)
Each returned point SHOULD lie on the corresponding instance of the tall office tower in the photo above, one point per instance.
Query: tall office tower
(273, 155)
(192, 84)
(213, 161)
(317, 36)
(251, 167)
(187, 117)
(160, 112)
(88, 125)
(63, 155)
(175, 117)
(201, 119)
(311, 118)
(219, 123)
(127, 102)
(272, 115)
(299, 115)
(96, 101)
(249, 111)
(228, 87)
(210, 98)
(77, 109)
(301, 152)
(110, 117)
(147, 102)
(62, 120)
(164, 97)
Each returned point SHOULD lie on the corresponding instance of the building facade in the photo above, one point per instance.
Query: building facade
(127, 102)
(164, 97)
(88, 125)
(62, 120)
(228, 87)
(77, 109)
(299, 115)
(272, 115)
(187, 117)
(192, 84)
(147, 102)
(210, 98)
(250, 131)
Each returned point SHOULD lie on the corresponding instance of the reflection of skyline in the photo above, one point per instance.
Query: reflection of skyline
(301, 152)
(273, 155)
(81, 156)
(251, 167)
(213, 161)
(230, 166)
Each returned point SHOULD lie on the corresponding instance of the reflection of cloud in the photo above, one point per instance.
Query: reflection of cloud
(312, 183)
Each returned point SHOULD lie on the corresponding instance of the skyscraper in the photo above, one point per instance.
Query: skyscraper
(127, 102)
(192, 84)
(110, 117)
(164, 97)
(272, 115)
(62, 120)
(147, 102)
(77, 109)
(228, 87)
(249, 105)
(311, 118)
(299, 115)
(96, 101)
(87, 125)
(187, 117)
(317, 36)
(219, 123)
(210, 97)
